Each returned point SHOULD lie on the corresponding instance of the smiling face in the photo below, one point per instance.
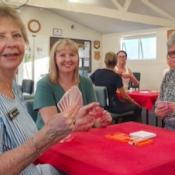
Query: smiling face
(12, 44)
(67, 59)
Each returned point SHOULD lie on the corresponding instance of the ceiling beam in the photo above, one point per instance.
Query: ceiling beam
(157, 9)
(104, 12)
(117, 4)
(126, 5)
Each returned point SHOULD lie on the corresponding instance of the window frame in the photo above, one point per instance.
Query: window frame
(140, 51)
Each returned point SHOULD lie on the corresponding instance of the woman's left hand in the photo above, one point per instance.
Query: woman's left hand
(84, 120)
(91, 115)
(102, 117)
(126, 75)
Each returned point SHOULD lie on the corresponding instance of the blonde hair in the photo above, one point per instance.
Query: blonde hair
(10, 13)
(110, 60)
(53, 69)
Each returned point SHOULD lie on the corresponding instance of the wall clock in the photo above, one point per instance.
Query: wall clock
(34, 26)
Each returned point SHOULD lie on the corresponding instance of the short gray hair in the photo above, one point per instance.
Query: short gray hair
(171, 40)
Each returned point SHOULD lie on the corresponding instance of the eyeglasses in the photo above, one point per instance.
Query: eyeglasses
(121, 56)
(171, 54)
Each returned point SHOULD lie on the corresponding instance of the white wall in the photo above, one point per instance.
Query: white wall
(50, 20)
(151, 70)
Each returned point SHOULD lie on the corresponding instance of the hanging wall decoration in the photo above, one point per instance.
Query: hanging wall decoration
(97, 55)
(34, 26)
(96, 44)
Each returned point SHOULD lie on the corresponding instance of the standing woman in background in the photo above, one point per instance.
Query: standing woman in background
(113, 82)
(122, 69)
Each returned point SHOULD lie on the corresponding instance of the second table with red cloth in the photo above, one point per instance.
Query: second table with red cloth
(144, 98)
(92, 153)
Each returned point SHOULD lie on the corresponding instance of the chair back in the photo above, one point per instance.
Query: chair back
(131, 84)
(32, 112)
(102, 95)
(27, 86)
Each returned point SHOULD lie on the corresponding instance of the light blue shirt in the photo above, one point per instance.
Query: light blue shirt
(15, 132)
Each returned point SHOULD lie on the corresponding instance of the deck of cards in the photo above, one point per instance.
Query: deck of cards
(72, 96)
(142, 135)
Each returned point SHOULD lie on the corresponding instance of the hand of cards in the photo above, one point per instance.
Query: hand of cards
(70, 104)
(72, 96)
(166, 106)
(83, 117)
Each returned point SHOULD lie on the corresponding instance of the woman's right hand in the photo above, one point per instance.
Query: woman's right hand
(59, 127)
(163, 109)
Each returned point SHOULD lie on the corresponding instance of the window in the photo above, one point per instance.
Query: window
(140, 47)
(36, 59)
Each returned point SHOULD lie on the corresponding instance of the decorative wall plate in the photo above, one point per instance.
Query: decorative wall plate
(96, 44)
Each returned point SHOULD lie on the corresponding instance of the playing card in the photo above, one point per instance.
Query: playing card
(72, 96)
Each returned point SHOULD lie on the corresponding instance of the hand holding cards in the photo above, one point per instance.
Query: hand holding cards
(71, 97)
(165, 106)
(70, 104)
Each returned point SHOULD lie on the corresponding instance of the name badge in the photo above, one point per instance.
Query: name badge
(13, 113)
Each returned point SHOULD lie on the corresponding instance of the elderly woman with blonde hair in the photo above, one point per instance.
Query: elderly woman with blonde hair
(20, 141)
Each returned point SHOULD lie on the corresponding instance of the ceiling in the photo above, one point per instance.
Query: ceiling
(111, 16)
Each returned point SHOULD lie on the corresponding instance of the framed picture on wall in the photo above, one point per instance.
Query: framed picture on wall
(84, 52)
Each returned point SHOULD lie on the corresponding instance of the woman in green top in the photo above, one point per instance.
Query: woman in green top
(63, 74)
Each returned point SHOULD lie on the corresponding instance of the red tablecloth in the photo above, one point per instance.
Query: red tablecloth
(144, 98)
(90, 153)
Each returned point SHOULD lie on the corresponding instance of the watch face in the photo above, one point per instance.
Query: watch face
(34, 26)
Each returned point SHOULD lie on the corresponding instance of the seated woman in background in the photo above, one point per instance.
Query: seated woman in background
(107, 77)
(165, 104)
(63, 74)
(123, 70)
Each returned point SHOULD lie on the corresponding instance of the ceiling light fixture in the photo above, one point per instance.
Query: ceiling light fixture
(15, 3)
(74, 1)
(84, 1)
